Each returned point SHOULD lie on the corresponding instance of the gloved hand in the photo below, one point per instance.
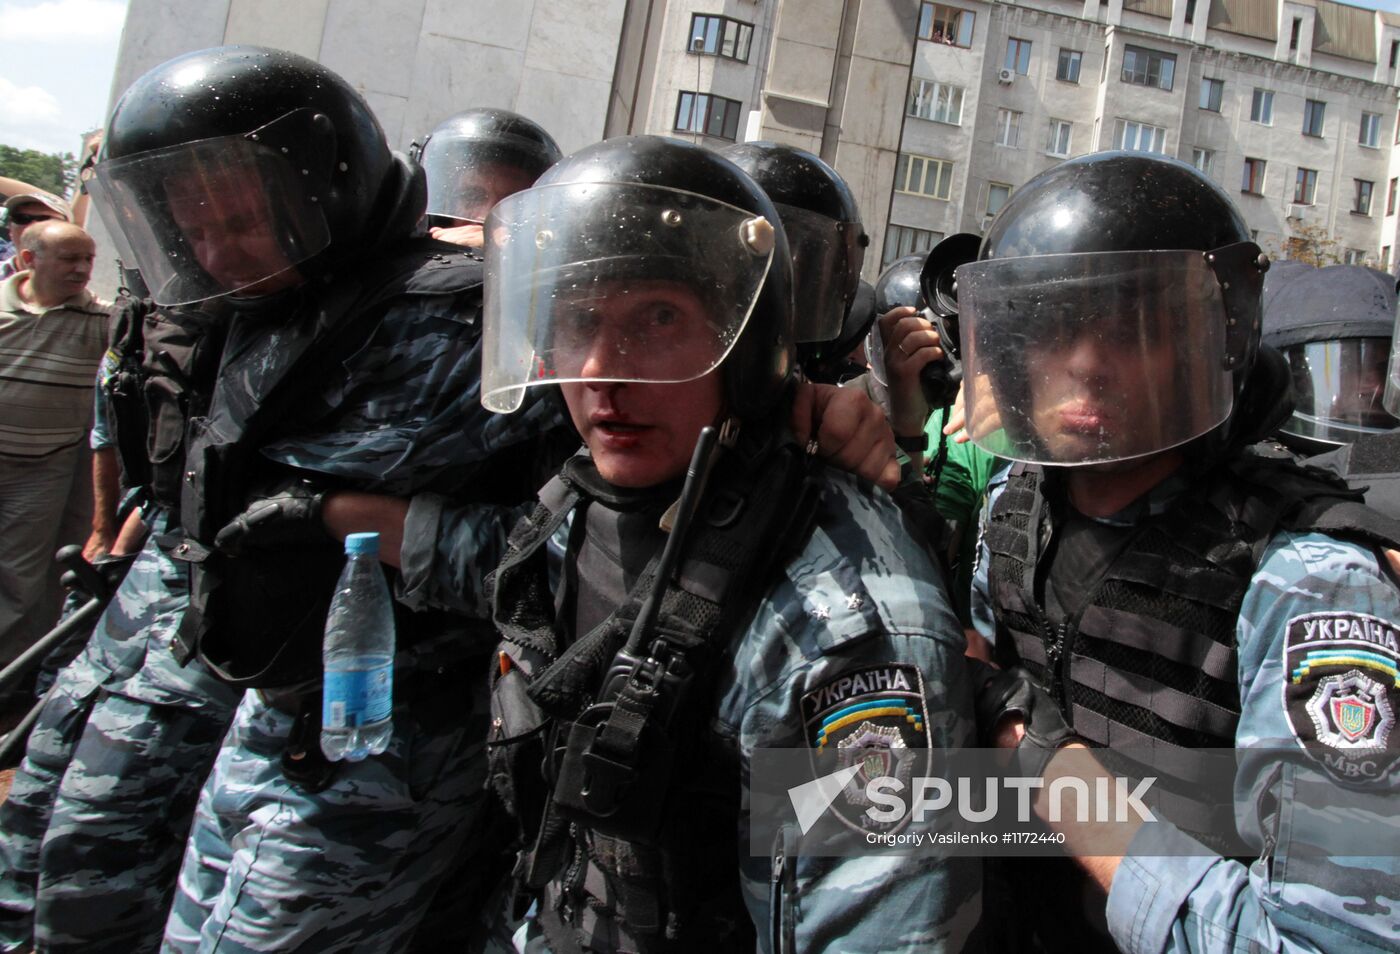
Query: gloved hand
(288, 514)
(1011, 692)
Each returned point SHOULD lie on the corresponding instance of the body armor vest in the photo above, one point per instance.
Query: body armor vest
(1149, 663)
(257, 621)
(627, 801)
(167, 362)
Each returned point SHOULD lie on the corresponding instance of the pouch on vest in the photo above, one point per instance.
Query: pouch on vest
(616, 771)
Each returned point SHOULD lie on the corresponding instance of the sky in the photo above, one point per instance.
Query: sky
(56, 70)
(57, 63)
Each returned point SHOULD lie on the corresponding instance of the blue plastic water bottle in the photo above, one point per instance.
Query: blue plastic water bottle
(358, 654)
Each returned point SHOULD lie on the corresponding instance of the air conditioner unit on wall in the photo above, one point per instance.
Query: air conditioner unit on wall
(1297, 212)
(1005, 75)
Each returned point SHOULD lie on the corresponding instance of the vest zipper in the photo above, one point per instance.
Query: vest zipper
(1055, 655)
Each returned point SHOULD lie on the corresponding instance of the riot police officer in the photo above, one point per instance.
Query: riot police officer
(648, 279)
(1333, 325)
(1153, 582)
(261, 179)
(474, 160)
(827, 243)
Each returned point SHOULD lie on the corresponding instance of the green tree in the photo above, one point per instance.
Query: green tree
(1312, 245)
(52, 171)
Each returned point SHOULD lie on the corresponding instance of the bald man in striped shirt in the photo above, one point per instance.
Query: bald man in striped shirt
(52, 336)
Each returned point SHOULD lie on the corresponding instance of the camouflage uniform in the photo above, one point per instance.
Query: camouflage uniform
(97, 816)
(1285, 901)
(273, 867)
(860, 596)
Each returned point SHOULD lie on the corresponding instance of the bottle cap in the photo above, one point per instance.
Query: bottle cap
(362, 543)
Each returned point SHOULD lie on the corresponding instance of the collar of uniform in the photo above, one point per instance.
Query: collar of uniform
(10, 299)
(1151, 504)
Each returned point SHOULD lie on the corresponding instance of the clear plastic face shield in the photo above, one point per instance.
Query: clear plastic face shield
(826, 260)
(1089, 359)
(615, 282)
(1337, 389)
(468, 177)
(1390, 400)
(225, 216)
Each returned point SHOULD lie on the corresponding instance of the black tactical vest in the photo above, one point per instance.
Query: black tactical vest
(257, 621)
(167, 362)
(627, 801)
(1149, 663)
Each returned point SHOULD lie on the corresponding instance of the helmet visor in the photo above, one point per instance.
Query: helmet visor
(1337, 389)
(467, 177)
(826, 260)
(615, 282)
(210, 218)
(1084, 359)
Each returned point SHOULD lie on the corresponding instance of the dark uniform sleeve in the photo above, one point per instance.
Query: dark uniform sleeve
(1317, 661)
(448, 550)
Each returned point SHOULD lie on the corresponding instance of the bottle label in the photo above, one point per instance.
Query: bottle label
(356, 697)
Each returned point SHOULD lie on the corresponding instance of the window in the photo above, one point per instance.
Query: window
(1203, 159)
(1008, 127)
(1211, 90)
(1394, 53)
(1190, 11)
(1261, 110)
(1143, 67)
(708, 114)
(902, 240)
(1390, 196)
(1353, 256)
(1018, 55)
(1068, 67)
(1361, 199)
(941, 24)
(921, 175)
(1253, 177)
(1058, 144)
(1313, 112)
(1305, 186)
(1370, 129)
(997, 194)
(1297, 31)
(720, 36)
(936, 101)
(1139, 136)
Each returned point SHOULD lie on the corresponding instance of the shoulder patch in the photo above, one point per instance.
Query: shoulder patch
(875, 717)
(1342, 690)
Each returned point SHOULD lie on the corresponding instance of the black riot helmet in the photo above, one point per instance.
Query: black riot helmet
(1333, 325)
(824, 234)
(478, 157)
(227, 171)
(618, 218)
(1114, 312)
(898, 285)
(839, 361)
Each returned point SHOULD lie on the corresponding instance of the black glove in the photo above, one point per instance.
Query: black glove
(1004, 692)
(288, 514)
